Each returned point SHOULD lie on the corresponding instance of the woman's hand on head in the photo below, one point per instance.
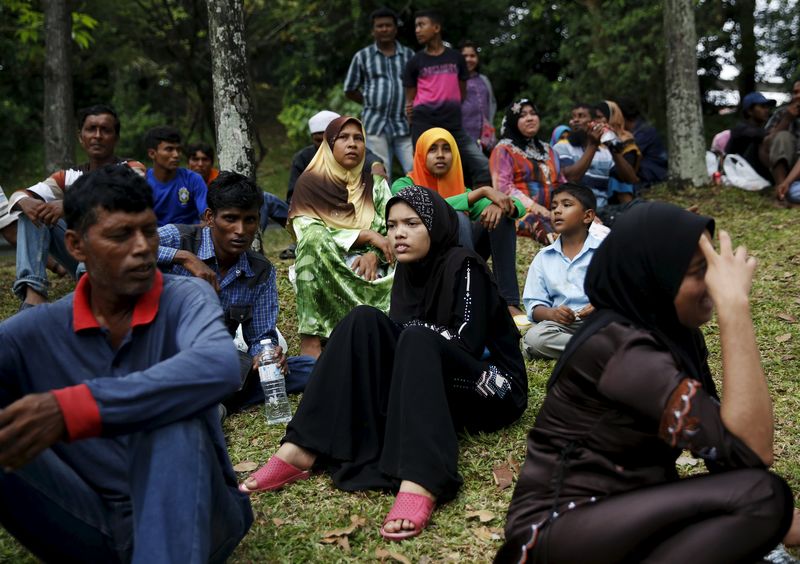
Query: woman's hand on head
(491, 216)
(729, 273)
(366, 266)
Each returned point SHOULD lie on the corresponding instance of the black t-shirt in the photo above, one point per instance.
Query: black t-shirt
(745, 141)
(437, 80)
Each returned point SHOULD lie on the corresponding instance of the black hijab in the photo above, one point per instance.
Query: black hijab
(533, 148)
(425, 289)
(635, 275)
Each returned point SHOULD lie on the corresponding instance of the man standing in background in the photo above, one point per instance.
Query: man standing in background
(374, 79)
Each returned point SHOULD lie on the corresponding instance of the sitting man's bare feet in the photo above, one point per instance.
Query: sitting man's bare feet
(403, 525)
(310, 345)
(33, 297)
(290, 453)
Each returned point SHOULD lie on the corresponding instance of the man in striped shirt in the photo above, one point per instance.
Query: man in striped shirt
(374, 79)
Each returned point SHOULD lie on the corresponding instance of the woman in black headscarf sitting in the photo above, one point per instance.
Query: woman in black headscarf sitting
(632, 390)
(389, 394)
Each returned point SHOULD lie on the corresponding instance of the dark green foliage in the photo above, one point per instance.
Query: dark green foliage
(150, 59)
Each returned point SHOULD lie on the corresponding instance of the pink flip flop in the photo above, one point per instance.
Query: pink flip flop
(413, 507)
(275, 474)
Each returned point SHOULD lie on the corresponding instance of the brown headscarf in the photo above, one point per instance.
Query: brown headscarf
(327, 191)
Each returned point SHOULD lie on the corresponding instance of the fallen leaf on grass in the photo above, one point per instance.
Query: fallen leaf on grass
(787, 317)
(483, 516)
(424, 560)
(246, 466)
(487, 533)
(797, 301)
(278, 522)
(787, 357)
(513, 464)
(383, 554)
(503, 476)
(339, 536)
(787, 275)
(783, 338)
(341, 542)
(687, 461)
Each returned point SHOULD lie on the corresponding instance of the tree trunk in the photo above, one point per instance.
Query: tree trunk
(684, 117)
(233, 106)
(59, 122)
(747, 55)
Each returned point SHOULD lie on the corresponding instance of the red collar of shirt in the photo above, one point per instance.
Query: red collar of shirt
(144, 311)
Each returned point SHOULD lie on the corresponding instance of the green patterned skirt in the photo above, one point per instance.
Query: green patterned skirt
(327, 289)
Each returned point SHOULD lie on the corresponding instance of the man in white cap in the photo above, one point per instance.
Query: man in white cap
(316, 126)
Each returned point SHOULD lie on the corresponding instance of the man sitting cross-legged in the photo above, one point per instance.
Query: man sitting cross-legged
(40, 229)
(109, 433)
(219, 253)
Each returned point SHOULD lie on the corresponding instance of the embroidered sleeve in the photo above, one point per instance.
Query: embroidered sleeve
(678, 424)
(643, 377)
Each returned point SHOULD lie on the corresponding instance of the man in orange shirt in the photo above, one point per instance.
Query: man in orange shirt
(201, 161)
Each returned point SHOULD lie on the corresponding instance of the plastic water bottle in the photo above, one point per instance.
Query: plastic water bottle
(274, 385)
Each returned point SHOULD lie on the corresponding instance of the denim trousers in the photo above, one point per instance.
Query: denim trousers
(273, 208)
(501, 243)
(33, 246)
(179, 507)
(387, 147)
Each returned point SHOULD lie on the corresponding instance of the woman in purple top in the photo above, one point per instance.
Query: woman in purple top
(479, 105)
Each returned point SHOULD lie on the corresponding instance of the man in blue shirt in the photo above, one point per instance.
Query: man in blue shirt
(220, 254)
(109, 434)
(374, 79)
(179, 194)
(554, 294)
(586, 160)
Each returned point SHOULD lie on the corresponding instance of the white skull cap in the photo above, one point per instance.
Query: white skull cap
(319, 122)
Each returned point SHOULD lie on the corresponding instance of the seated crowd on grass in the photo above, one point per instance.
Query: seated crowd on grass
(407, 336)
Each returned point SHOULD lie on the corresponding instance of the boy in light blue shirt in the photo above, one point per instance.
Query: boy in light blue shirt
(554, 296)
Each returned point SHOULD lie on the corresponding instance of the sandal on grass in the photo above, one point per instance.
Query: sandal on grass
(275, 474)
(412, 507)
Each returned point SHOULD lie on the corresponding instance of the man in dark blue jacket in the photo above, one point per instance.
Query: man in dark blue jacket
(109, 432)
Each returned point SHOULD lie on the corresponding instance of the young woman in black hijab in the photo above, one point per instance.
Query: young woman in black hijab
(389, 394)
(632, 390)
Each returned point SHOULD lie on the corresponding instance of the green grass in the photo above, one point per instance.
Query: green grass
(290, 525)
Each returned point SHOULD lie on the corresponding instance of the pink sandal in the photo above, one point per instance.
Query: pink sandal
(413, 507)
(275, 474)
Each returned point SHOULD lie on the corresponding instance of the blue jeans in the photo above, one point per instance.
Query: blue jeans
(273, 208)
(33, 246)
(180, 507)
(793, 194)
(502, 245)
(386, 148)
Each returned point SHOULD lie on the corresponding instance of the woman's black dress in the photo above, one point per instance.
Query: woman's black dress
(390, 393)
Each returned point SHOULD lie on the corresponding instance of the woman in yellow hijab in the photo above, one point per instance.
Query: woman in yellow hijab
(486, 222)
(337, 216)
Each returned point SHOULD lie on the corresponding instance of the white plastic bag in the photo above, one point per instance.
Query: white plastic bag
(740, 174)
